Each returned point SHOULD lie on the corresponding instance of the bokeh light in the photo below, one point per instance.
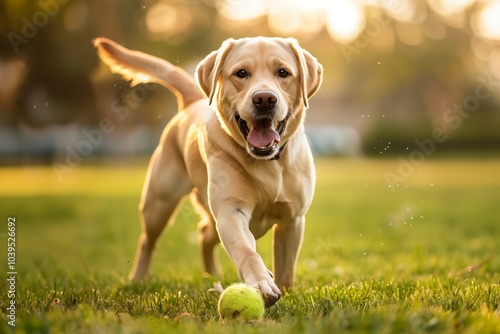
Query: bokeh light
(241, 10)
(434, 28)
(401, 10)
(481, 49)
(409, 33)
(437, 48)
(449, 7)
(164, 19)
(495, 62)
(76, 15)
(283, 17)
(296, 17)
(345, 20)
(488, 21)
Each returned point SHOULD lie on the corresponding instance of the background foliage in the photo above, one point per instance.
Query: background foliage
(394, 69)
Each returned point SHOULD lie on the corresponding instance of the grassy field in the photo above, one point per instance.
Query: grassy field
(423, 258)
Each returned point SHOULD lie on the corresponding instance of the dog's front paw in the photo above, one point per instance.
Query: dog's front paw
(269, 290)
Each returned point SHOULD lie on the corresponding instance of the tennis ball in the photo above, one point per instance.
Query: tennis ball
(241, 301)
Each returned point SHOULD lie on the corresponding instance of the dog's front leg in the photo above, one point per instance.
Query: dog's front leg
(287, 240)
(233, 221)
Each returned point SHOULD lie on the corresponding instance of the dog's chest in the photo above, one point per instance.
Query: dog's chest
(283, 203)
(282, 211)
(264, 217)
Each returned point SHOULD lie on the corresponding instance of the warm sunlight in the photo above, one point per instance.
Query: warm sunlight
(449, 7)
(242, 10)
(402, 10)
(161, 18)
(344, 20)
(305, 19)
(488, 21)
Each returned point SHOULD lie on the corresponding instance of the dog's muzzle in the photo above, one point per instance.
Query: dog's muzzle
(262, 135)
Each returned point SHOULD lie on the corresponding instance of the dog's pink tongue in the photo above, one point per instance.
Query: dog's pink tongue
(262, 137)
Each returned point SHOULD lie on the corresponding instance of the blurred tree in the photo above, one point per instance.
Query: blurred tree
(393, 69)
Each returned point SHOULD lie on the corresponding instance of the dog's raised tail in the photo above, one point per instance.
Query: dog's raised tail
(139, 67)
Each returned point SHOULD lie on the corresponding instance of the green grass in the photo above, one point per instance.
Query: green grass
(373, 260)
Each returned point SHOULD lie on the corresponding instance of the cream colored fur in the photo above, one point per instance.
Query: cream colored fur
(240, 192)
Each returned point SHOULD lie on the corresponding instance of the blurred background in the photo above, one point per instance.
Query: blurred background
(397, 72)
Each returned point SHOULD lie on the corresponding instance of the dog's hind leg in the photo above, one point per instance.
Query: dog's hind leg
(166, 183)
(209, 239)
(207, 234)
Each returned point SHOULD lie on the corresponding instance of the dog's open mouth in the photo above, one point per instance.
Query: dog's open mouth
(262, 135)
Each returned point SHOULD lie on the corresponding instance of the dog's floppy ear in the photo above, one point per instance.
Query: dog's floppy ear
(209, 69)
(310, 71)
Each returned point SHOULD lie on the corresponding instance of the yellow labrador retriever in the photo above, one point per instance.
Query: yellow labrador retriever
(240, 149)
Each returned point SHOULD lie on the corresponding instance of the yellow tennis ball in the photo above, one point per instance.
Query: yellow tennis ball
(241, 301)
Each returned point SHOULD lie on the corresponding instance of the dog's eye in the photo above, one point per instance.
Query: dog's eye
(241, 74)
(283, 73)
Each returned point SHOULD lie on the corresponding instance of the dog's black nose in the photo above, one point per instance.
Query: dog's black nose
(264, 100)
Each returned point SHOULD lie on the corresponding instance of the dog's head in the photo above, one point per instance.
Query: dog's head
(261, 88)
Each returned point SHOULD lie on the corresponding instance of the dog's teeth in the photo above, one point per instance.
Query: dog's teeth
(270, 144)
